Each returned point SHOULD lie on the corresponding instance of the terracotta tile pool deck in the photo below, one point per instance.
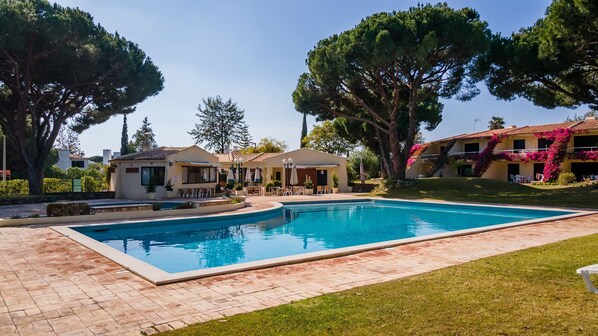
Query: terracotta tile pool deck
(51, 285)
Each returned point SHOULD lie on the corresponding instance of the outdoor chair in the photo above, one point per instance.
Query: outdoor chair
(181, 193)
(585, 273)
(319, 190)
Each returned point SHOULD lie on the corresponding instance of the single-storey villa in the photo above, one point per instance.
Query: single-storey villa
(185, 167)
(193, 167)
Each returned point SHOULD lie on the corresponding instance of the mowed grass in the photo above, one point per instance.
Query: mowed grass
(479, 190)
(529, 292)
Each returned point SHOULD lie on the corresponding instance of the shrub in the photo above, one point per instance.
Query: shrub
(186, 205)
(269, 186)
(334, 180)
(68, 209)
(566, 178)
(237, 199)
(238, 186)
(91, 184)
(54, 185)
(277, 183)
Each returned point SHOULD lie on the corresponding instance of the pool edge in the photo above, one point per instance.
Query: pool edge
(160, 277)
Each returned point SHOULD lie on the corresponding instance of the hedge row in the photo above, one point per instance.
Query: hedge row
(52, 185)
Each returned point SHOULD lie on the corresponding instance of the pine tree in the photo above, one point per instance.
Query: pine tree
(244, 138)
(139, 138)
(124, 138)
(303, 131)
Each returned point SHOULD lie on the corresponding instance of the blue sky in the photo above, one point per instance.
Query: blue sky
(254, 52)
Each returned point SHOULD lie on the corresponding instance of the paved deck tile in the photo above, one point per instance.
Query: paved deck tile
(50, 285)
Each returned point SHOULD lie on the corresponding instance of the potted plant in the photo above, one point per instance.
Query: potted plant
(239, 189)
(169, 188)
(334, 183)
(150, 189)
(268, 188)
(309, 186)
(350, 180)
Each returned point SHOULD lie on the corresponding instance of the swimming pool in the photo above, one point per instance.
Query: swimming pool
(196, 247)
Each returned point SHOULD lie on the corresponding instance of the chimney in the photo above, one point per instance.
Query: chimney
(513, 126)
(590, 118)
(107, 155)
(146, 141)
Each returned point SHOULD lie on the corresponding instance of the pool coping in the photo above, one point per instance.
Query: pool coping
(158, 276)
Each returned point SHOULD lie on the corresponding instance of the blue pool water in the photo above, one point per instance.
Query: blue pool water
(192, 244)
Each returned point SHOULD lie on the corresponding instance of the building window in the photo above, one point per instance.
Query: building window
(585, 143)
(518, 145)
(199, 175)
(543, 144)
(78, 164)
(472, 147)
(155, 174)
(132, 170)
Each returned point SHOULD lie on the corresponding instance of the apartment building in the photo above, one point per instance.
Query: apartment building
(516, 154)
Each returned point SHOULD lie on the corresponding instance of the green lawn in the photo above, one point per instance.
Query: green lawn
(493, 191)
(534, 291)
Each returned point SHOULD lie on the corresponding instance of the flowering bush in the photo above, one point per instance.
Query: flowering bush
(486, 156)
(523, 157)
(414, 148)
(556, 152)
(585, 156)
(411, 161)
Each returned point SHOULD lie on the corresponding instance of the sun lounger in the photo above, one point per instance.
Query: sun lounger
(585, 273)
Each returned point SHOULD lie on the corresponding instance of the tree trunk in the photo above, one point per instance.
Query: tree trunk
(395, 153)
(35, 175)
(411, 132)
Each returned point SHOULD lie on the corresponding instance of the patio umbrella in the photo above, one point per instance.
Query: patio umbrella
(238, 175)
(294, 179)
(256, 176)
(248, 176)
(361, 172)
(230, 176)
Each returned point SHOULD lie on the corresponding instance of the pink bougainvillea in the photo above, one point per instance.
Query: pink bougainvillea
(556, 152)
(487, 155)
(411, 161)
(523, 157)
(585, 155)
(414, 148)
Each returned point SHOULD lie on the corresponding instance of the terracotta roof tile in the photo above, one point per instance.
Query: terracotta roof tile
(587, 125)
(542, 128)
(159, 153)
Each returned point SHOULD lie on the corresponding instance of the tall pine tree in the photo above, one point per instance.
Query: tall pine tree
(124, 138)
(303, 130)
(244, 138)
(139, 137)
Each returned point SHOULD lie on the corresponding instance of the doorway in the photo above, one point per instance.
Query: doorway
(512, 170)
(322, 179)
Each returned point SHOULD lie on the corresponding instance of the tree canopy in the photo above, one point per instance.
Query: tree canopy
(244, 138)
(269, 145)
(69, 139)
(136, 144)
(553, 63)
(324, 138)
(58, 67)
(496, 123)
(389, 72)
(219, 124)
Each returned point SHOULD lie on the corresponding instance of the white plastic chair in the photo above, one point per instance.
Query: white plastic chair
(585, 273)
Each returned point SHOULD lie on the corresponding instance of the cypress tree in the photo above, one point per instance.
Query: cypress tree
(124, 138)
(303, 130)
